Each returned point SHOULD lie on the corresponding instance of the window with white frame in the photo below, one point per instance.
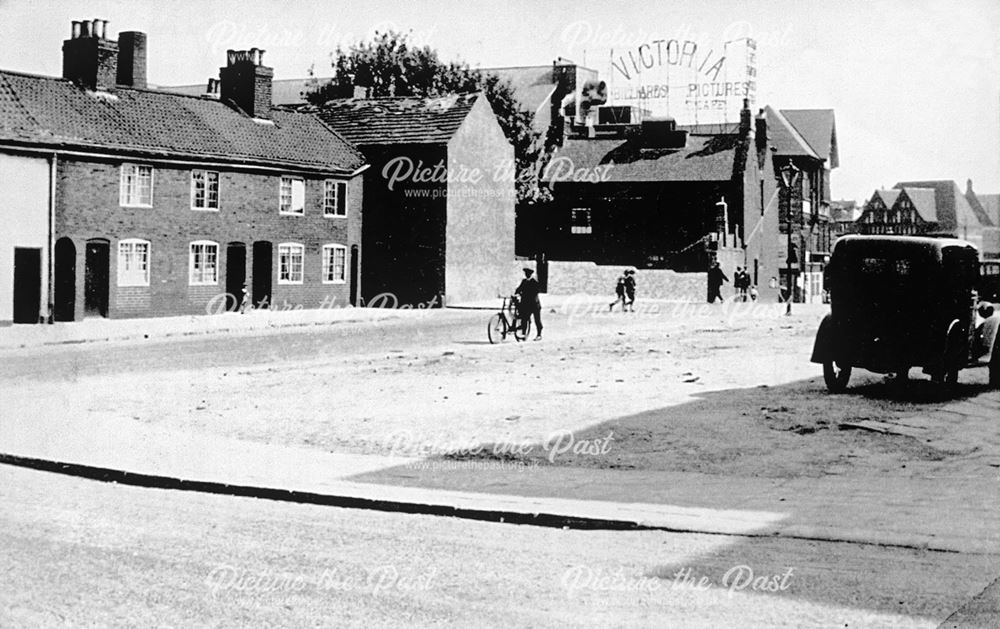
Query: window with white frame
(292, 195)
(334, 264)
(291, 258)
(136, 185)
(204, 190)
(580, 221)
(204, 263)
(133, 262)
(334, 198)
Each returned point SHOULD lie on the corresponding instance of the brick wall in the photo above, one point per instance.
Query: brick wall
(404, 228)
(87, 207)
(572, 278)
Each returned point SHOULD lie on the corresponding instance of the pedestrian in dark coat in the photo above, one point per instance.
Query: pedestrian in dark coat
(530, 304)
(619, 292)
(715, 279)
(630, 290)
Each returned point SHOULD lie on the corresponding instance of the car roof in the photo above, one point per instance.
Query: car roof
(926, 243)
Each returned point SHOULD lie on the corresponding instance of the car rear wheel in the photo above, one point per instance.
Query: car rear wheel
(836, 377)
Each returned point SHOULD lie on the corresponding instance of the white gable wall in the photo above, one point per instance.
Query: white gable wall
(24, 216)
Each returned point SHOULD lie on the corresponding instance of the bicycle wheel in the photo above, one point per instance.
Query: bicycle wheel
(496, 329)
(520, 334)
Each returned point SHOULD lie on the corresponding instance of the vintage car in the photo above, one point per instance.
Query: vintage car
(905, 301)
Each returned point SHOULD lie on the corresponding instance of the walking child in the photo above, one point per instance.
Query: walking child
(629, 290)
(619, 292)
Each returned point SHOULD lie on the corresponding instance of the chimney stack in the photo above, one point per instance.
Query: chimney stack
(761, 131)
(745, 117)
(89, 58)
(132, 59)
(246, 82)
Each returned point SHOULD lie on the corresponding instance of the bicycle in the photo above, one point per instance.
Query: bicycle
(500, 326)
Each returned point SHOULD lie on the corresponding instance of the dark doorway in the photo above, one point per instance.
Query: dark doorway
(64, 284)
(95, 279)
(236, 274)
(262, 274)
(27, 284)
(355, 275)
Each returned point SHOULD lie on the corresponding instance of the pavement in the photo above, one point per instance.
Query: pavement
(96, 329)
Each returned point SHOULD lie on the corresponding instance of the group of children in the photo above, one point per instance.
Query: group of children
(625, 292)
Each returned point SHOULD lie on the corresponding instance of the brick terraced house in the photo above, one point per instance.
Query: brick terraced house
(120, 201)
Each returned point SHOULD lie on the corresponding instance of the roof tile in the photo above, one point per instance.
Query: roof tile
(396, 120)
(55, 112)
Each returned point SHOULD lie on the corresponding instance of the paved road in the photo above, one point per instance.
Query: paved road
(84, 553)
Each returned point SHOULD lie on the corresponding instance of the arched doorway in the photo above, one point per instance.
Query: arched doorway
(236, 274)
(64, 280)
(96, 277)
(355, 275)
(262, 274)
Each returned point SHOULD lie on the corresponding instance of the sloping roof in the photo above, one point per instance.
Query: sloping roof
(924, 202)
(888, 196)
(532, 85)
(704, 158)
(283, 91)
(785, 137)
(986, 217)
(53, 112)
(991, 205)
(818, 128)
(397, 120)
(952, 208)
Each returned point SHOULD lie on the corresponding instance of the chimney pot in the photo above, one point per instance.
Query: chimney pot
(75, 33)
(104, 29)
(246, 83)
(90, 60)
(260, 57)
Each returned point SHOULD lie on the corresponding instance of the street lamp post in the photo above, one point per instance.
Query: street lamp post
(789, 178)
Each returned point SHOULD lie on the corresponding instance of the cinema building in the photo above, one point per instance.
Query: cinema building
(633, 190)
(653, 194)
(121, 201)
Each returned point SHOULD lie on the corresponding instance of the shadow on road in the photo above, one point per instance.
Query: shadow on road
(788, 450)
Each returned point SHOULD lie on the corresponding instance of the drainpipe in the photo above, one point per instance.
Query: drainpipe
(53, 163)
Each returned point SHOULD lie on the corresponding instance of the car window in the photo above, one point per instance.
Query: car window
(961, 266)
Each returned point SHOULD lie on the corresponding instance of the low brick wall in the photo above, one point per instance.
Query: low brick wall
(574, 278)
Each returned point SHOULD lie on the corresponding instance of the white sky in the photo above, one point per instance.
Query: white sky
(915, 83)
